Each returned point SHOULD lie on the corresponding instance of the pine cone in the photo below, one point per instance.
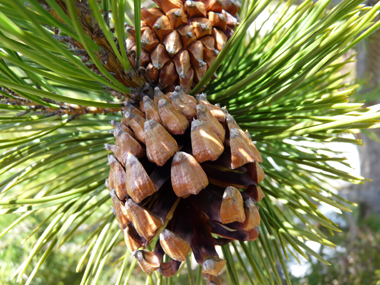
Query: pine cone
(180, 40)
(183, 169)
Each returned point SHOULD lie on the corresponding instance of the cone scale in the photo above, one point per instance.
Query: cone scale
(182, 170)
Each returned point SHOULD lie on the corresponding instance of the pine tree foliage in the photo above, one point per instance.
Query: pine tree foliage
(285, 86)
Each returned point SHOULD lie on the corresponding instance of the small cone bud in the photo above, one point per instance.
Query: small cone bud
(183, 108)
(213, 265)
(214, 5)
(252, 216)
(145, 223)
(138, 184)
(151, 110)
(204, 114)
(217, 20)
(231, 6)
(132, 238)
(195, 9)
(205, 143)
(196, 54)
(187, 175)
(216, 111)
(168, 269)
(202, 27)
(230, 20)
(127, 144)
(160, 57)
(177, 18)
(151, 15)
(172, 43)
(173, 121)
(119, 210)
(137, 125)
(162, 27)
(118, 125)
(160, 145)
(168, 75)
(152, 72)
(256, 172)
(220, 38)
(187, 82)
(182, 63)
(147, 260)
(188, 99)
(117, 179)
(174, 246)
(232, 208)
(187, 35)
(213, 280)
(167, 5)
(149, 40)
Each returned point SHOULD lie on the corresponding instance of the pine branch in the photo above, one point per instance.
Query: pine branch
(62, 108)
(109, 54)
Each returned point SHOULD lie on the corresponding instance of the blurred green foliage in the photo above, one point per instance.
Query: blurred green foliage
(59, 268)
(356, 261)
